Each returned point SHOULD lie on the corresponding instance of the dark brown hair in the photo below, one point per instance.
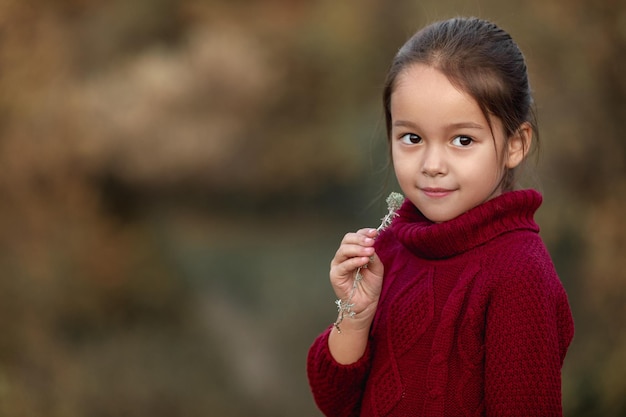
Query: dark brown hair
(483, 61)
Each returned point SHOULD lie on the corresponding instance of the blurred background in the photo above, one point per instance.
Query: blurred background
(175, 177)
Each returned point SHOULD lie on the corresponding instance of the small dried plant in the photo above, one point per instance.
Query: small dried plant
(394, 201)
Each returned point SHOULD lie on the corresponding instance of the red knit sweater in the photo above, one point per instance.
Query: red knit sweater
(472, 321)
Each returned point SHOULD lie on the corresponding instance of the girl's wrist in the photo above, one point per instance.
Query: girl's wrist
(349, 345)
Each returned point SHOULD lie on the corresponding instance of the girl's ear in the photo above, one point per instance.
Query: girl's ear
(518, 145)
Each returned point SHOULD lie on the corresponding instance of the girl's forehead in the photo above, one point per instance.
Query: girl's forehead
(426, 90)
(428, 79)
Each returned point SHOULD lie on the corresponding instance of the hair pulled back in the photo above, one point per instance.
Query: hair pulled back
(480, 59)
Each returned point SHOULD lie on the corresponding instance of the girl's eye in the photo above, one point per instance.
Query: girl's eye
(410, 138)
(462, 141)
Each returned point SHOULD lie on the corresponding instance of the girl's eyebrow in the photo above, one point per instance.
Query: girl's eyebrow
(403, 123)
(466, 125)
(460, 125)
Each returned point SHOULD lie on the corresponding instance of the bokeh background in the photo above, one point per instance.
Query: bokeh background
(175, 177)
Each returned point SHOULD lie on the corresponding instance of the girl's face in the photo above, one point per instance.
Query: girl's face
(446, 158)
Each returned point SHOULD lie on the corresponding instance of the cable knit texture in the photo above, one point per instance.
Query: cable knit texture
(472, 321)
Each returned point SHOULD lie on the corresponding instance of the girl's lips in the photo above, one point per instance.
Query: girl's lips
(436, 192)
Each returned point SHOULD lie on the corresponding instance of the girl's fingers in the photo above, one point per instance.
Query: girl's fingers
(360, 236)
(347, 267)
(348, 251)
(368, 232)
(355, 244)
(356, 251)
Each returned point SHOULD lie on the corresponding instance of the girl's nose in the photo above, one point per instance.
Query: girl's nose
(433, 163)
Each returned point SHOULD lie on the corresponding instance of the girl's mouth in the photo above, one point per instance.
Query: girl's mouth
(436, 192)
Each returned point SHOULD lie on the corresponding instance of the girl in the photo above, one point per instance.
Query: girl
(458, 310)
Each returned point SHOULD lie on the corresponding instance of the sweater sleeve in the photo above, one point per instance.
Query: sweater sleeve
(337, 389)
(528, 330)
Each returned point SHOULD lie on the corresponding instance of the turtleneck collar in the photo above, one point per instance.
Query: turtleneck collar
(509, 211)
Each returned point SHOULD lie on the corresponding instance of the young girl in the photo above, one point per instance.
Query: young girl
(458, 310)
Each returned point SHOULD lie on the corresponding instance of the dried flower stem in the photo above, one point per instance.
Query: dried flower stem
(344, 308)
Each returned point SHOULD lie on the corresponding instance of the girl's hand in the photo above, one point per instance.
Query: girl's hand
(357, 251)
